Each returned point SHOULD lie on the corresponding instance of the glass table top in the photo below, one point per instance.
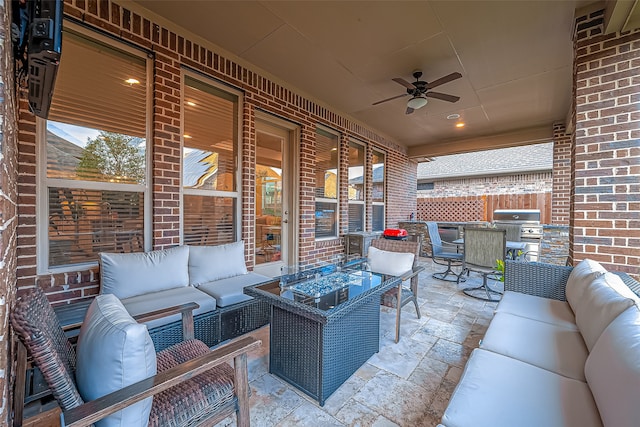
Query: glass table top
(323, 289)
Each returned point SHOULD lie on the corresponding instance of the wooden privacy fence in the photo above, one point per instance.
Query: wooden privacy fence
(480, 208)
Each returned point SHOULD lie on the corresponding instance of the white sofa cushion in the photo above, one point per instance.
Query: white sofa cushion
(131, 274)
(113, 352)
(152, 301)
(613, 370)
(496, 390)
(547, 346)
(387, 262)
(209, 263)
(537, 308)
(229, 291)
(581, 275)
(604, 299)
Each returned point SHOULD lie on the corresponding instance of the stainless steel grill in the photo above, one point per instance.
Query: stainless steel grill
(530, 231)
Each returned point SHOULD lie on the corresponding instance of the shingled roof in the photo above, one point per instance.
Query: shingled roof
(503, 161)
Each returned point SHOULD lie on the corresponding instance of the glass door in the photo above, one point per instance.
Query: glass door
(274, 221)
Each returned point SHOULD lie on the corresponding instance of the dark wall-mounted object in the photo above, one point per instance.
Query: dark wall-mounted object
(37, 33)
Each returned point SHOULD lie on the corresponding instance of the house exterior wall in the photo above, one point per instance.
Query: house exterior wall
(8, 211)
(605, 197)
(499, 184)
(172, 51)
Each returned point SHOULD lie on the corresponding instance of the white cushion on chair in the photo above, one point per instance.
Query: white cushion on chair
(113, 352)
(209, 263)
(391, 263)
(128, 275)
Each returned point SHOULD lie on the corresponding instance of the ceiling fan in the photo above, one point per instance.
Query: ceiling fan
(421, 90)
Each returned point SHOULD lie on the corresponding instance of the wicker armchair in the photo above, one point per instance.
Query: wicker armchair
(443, 253)
(401, 295)
(194, 385)
(483, 247)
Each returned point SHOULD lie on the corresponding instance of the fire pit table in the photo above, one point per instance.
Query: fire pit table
(325, 323)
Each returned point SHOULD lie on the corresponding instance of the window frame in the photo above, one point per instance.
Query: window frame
(362, 202)
(383, 203)
(43, 182)
(237, 194)
(336, 201)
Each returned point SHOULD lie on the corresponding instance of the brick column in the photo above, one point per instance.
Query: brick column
(605, 198)
(166, 153)
(8, 210)
(561, 192)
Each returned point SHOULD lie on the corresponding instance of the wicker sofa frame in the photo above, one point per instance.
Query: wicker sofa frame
(547, 280)
(216, 326)
(551, 377)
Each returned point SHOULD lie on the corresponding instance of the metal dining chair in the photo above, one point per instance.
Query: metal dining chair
(443, 253)
(483, 248)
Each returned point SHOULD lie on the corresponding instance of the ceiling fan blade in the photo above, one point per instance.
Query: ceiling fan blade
(410, 110)
(443, 80)
(442, 96)
(404, 83)
(389, 99)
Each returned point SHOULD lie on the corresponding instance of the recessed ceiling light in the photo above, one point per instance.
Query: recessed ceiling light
(191, 103)
(186, 136)
(132, 81)
(460, 125)
(334, 149)
(453, 116)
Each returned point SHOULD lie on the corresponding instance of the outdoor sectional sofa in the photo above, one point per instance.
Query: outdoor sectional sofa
(563, 349)
(213, 277)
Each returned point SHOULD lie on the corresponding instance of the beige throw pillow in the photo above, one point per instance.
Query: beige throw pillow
(581, 275)
(603, 300)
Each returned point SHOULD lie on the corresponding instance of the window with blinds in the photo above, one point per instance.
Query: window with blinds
(96, 143)
(356, 188)
(326, 193)
(209, 159)
(377, 193)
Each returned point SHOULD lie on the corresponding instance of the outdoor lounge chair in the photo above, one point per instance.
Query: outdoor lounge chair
(443, 253)
(400, 293)
(193, 384)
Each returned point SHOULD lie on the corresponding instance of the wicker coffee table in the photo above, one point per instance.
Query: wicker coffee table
(324, 326)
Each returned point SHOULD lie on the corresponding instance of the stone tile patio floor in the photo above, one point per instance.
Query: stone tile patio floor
(404, 384)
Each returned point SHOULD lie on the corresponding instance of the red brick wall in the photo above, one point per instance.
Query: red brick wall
(8, 212)
(605, 199)
(561, 175)
(537, 182)
(171, 51)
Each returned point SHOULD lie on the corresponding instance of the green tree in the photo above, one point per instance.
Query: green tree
(112, 157)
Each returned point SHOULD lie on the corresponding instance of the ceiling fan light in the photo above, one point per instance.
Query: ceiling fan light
(417, 102)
